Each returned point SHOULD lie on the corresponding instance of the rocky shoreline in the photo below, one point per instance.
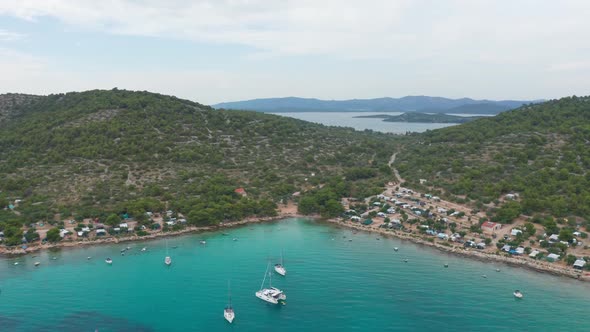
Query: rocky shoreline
(538, 266)
(17, 251)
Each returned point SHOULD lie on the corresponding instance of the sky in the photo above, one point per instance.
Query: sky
(212, 51)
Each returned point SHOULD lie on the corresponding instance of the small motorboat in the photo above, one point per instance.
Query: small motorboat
(108, 261)
(128, 248)
(224, 234)
(395, 249)
(168, 260)
(37, 263)
(484, 276)
(143, 249)
(497, 270)
(235, 238)
(88, 258)
(53, 258)
(405, 260)
(15, 263)
(446, 265)
(203, 242)
(517, 294)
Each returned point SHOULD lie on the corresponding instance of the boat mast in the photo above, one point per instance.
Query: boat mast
(264, 279)
(229, 292)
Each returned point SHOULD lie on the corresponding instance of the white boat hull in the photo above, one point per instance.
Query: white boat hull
(263, 295)
(168, 261)
(280, 270)
(229, 315)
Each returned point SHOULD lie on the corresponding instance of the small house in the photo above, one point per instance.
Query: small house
(519, 251)
(240, 191)
(490, 227)
(552, 257)
(534, 253)
(511, 196)
(100, 232)
(355, 218)
(377, 204)
(381, 214)
(506, 248)
(431, 232)
(515, 232)
(123, 225)
(554, 238)
(441, 210)
(63, 232)
(442, 236)
(368, 221)
(117, 229)
(481, 245)
(391, 210)
(579, 264)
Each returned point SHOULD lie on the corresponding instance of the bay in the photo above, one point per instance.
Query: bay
(332, 284)
(347, 119)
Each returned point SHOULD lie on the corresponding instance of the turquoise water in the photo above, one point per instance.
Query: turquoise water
(332, 285)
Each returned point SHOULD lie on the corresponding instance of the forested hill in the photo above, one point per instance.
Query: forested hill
(97, 152)
(541, 152)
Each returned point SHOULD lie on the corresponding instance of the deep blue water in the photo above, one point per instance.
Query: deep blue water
(332, 285)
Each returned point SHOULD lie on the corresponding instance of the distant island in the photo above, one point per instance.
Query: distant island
(422, 118)
(422, 104)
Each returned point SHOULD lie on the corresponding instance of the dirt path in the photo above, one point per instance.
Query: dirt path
(395, 172)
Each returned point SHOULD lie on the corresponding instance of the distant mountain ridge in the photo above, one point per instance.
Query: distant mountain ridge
(423, 104)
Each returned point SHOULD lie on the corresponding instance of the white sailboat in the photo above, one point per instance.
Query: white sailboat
(168, 259)
(271, 294)
(228, 312)
(280, 268)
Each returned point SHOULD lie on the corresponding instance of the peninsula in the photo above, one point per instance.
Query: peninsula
(422, 118)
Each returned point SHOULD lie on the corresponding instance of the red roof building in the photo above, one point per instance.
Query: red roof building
(240, 191)
(489, 226)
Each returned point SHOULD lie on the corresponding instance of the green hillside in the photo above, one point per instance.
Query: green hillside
(541, 152)
(97, 152)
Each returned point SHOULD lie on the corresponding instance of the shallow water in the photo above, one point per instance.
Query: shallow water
(332, 284)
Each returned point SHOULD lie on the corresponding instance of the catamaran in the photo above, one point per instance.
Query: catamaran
(168, 259)
(271, 294)
(228, 312)
(280, 268)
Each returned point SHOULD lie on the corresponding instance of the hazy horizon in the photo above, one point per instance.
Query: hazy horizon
(220, 51)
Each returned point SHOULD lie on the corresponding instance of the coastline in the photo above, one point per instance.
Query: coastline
(537, 266)
(18, 251)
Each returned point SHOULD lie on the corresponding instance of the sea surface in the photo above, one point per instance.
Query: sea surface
(347, 119)
(332, 284)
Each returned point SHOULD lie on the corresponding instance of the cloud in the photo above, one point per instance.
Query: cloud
(7, 36)
(404, 29)
(570, 66)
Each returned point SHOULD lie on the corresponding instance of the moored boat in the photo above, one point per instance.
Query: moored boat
(108, 261)
(271, 294)
(517, 294)
(280, 268)
(228, 312)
